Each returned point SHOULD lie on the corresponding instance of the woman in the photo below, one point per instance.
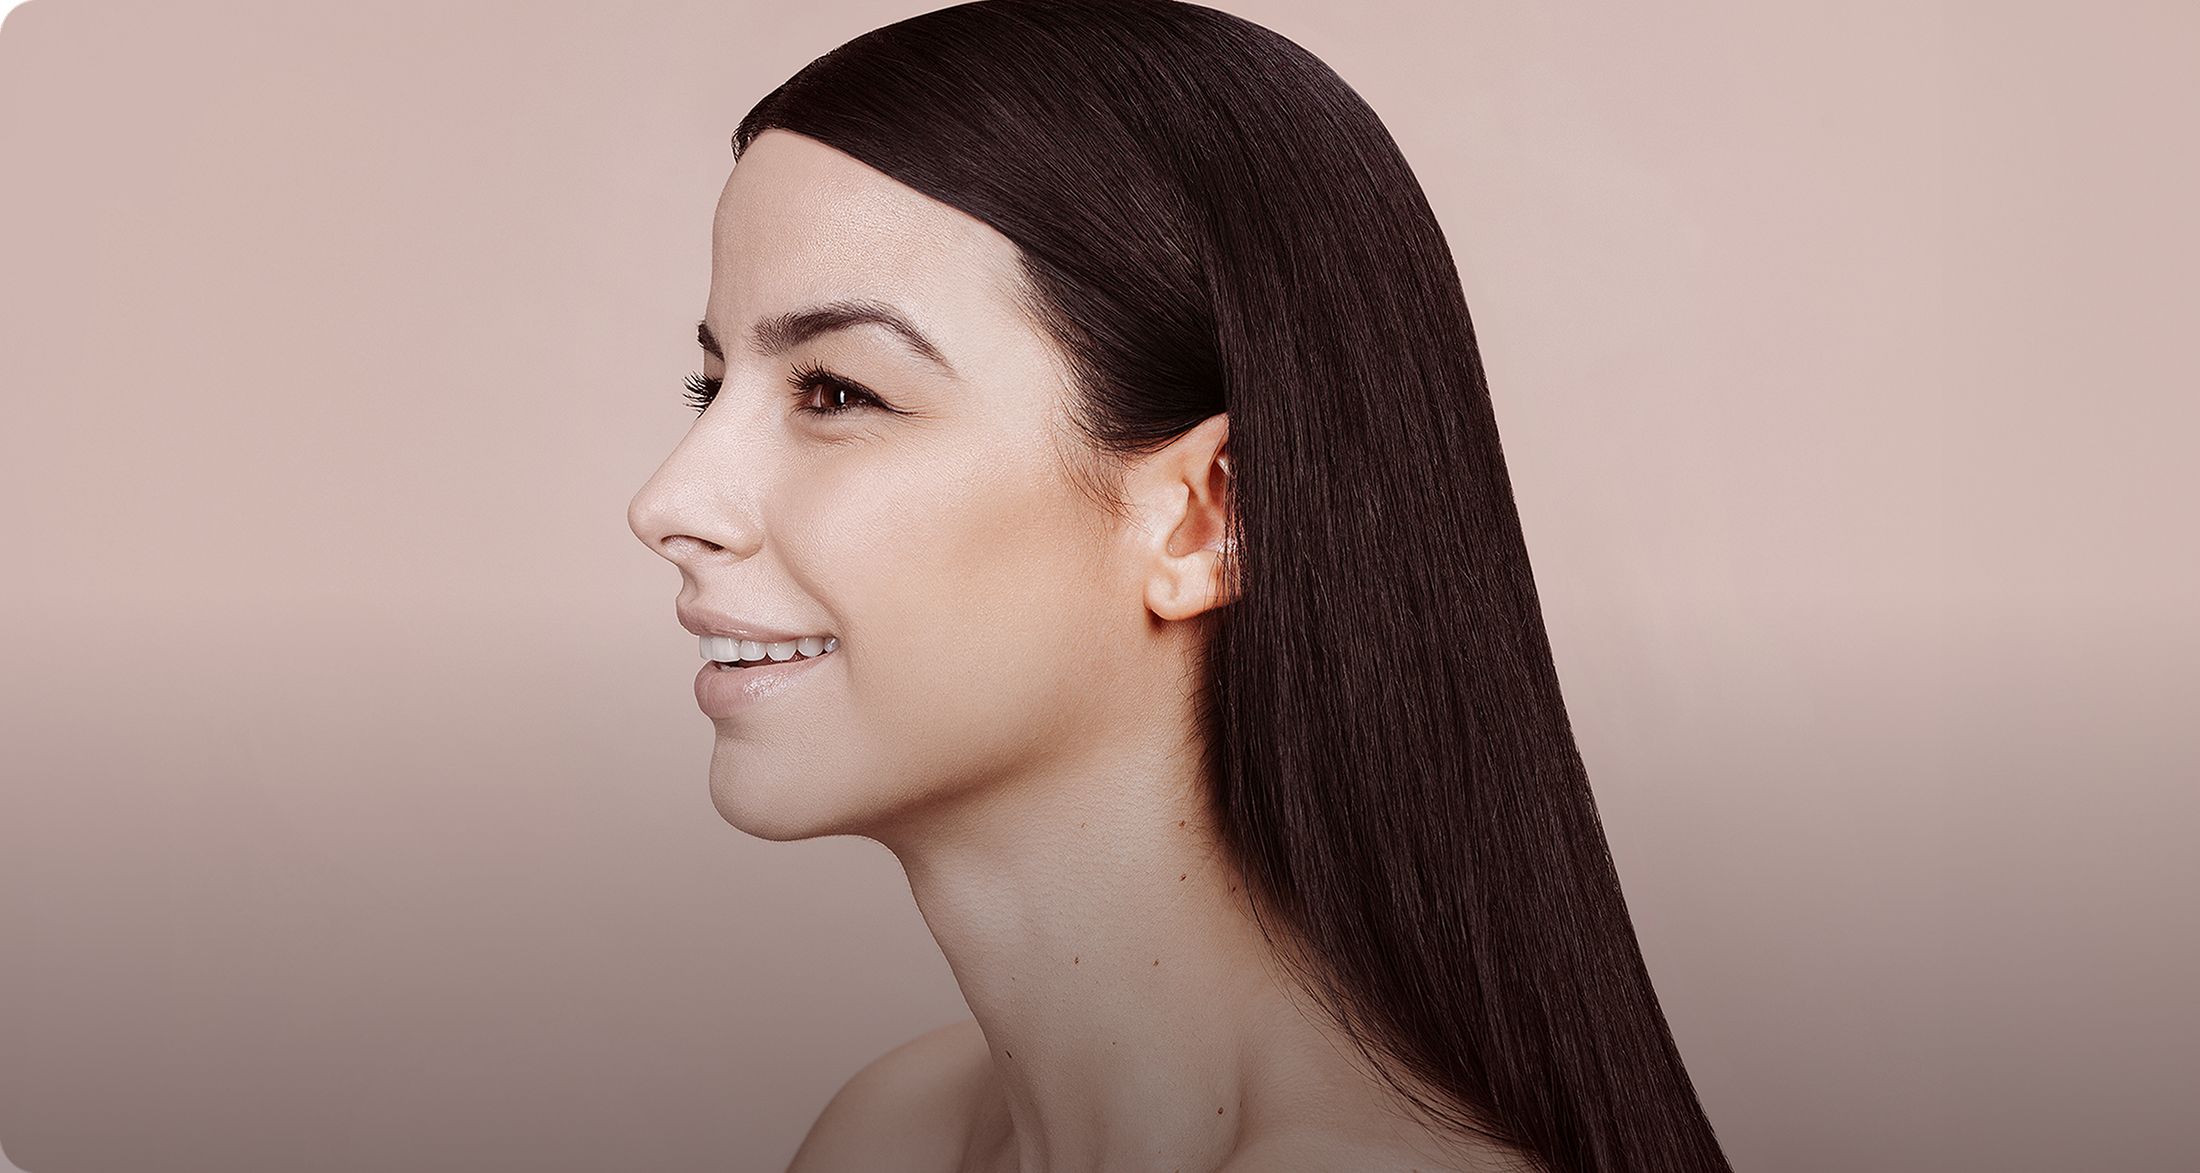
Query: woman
(1094, 456)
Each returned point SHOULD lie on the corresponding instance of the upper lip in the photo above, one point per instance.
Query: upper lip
(704, 622)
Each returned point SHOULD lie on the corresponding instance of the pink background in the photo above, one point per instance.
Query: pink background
(354, 813)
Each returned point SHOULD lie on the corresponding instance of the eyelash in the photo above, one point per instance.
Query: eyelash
(805, 379)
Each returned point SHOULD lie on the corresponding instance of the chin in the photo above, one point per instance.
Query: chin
(768, 804)
(772, 799)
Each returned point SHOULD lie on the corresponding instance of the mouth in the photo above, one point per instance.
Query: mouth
(726, 689)
(723, 654)
(766, 662)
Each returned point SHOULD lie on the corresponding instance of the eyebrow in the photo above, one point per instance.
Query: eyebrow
(777, 334)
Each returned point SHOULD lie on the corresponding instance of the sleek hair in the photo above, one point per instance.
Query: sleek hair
(1211, 220)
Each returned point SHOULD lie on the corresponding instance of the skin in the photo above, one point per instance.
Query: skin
(1010, 710)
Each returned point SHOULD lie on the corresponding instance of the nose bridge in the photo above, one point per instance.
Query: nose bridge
(709, 487)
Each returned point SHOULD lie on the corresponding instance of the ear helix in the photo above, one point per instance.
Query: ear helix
(1228, 545)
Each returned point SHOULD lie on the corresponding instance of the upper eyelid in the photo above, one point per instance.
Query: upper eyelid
(815, 369)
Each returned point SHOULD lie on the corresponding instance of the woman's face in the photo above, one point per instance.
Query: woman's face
(985, 613)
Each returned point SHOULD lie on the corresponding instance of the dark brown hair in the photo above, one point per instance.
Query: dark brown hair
(1211, 220)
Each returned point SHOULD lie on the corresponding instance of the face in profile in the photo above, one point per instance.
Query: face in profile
(911, 498)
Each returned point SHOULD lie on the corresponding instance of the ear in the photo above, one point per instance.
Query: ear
(1184, 495)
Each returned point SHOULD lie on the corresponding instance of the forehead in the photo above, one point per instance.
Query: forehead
(799, 222)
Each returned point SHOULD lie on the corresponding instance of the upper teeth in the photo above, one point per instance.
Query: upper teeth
(725, 647)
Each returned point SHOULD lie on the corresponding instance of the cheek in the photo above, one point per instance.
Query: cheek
(976, 609)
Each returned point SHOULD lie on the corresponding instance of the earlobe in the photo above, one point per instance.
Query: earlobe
(1194, 586)
(1184, 585)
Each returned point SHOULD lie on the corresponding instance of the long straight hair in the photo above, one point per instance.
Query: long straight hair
(1211, 220)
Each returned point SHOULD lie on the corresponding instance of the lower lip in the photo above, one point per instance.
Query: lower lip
(727, 692)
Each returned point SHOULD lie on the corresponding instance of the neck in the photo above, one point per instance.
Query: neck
(1108, 951)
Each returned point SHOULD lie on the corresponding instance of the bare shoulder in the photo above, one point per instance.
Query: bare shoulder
(1316, 1152)
(909, 1109)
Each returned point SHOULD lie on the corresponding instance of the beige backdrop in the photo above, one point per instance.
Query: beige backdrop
(354, 813)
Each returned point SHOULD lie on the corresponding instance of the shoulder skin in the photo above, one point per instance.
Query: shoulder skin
(909, 1109)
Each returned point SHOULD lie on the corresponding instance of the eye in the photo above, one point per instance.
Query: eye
(841, 394)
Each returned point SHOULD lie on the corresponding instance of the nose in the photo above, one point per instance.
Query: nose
(688, 519)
